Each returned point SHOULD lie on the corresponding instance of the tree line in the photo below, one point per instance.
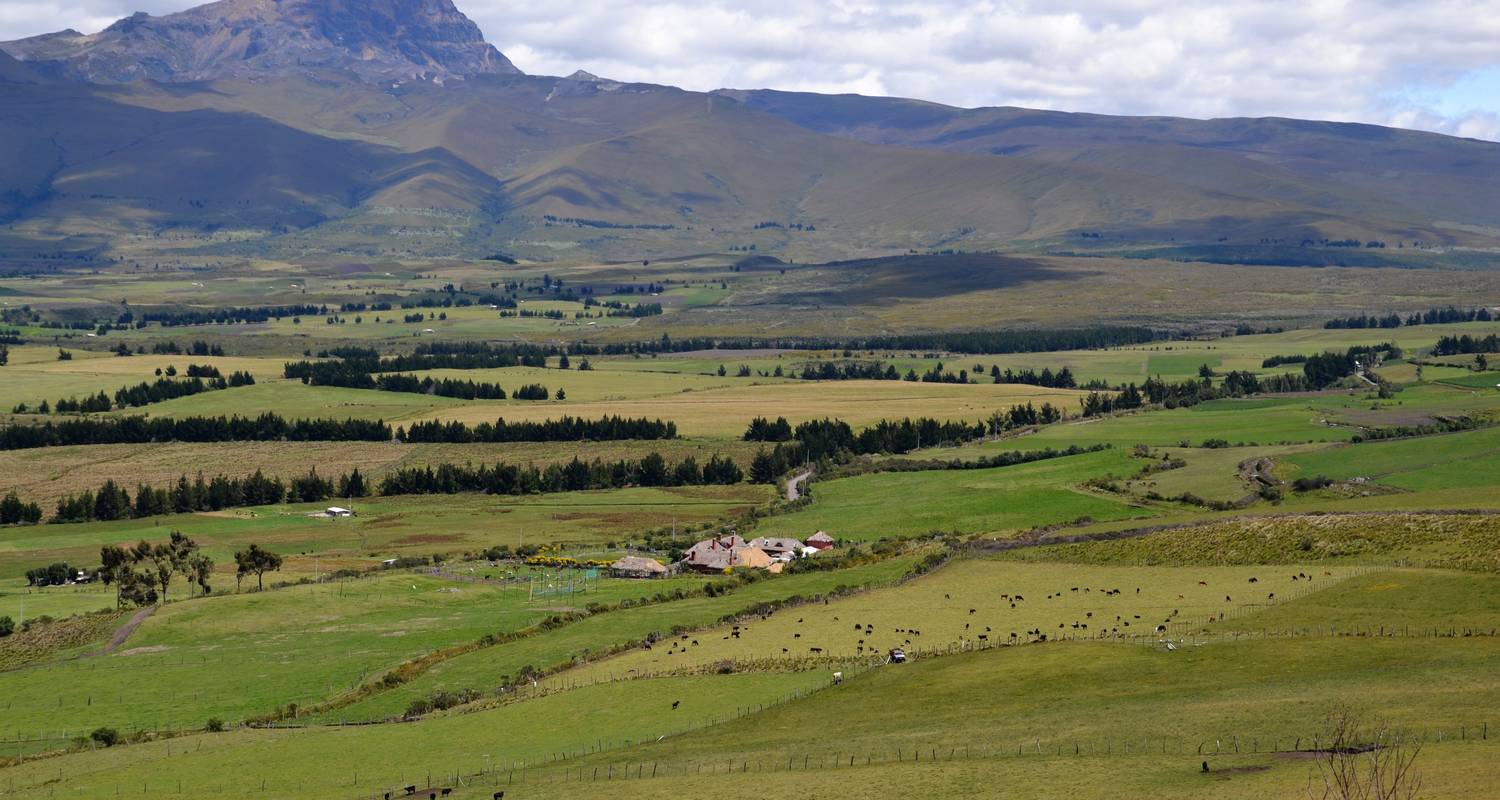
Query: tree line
(1432, 316)
(1000, 341)
(113, 502)
(1319, 371)
(142, 394)
(564, 429)
(15, 512)
(576, 475)
(145, 430)
(272, 427)
(221, 316)
(826, 438)
(836, 441)
(353, 361)
(1465, 344)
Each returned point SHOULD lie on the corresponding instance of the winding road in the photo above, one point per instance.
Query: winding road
(792, 484)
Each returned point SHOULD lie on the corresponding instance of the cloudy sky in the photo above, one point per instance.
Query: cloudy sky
(1431, 64)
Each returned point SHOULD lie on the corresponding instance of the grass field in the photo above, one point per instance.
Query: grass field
(964, 601)
(1456, 460)
(724, 686)
(45, 474)
(384, 527)
(484, 669)
(294, 645)
(991, 501)
(724, 413)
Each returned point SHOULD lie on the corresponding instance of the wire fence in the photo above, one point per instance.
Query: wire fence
(584, 765)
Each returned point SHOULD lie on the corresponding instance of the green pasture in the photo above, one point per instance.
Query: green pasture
(19, 601)
(957, 605)
(386, 526)
(991, 501)
(484, 669)
(1465, 541)
(1454, 460)
(1252, 691)
(1403, 601)
(1211, 473)
(1471, 380)
(236, 655)
(35, 374)
(1450, 770)
(360, 760)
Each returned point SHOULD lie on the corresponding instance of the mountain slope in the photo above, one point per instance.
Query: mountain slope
(344, 126)
(1395, 175)
(78, 162)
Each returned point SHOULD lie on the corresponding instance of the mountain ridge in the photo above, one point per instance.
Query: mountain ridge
(467, 154)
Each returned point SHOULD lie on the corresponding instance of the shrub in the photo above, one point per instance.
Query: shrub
(1310, 484)
(105, 737)
(215, 725)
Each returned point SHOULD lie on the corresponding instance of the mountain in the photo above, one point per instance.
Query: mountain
(309, 127)
(376, 39)
(1374, 171)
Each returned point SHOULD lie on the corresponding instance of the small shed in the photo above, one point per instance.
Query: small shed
(335, 511)
(820, 540)
(637, 567)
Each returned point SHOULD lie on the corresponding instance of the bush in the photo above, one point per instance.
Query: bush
(1311, 484)
(215, 725)
(7, 627)
(105, 737)
(1215, 444)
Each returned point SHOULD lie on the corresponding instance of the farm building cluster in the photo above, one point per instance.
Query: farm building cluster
(720, 554)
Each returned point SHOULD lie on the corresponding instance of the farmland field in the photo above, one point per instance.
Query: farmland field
(1205, 576)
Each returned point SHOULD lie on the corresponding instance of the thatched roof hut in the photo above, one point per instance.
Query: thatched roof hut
(637, 567)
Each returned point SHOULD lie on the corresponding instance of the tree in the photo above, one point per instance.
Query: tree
(763, 468)
(112, 502)
(257, 561)
(7, 627)
(353, 485)
(653, 470)
(114, 562)
(15, 512)
(562, 362)
(137, 587)
(199, 569)
(1365, 762)
(561, 395)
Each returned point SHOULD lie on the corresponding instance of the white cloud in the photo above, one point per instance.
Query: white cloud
(1329, 59)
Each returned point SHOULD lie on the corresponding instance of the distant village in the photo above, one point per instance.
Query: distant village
(720, 554)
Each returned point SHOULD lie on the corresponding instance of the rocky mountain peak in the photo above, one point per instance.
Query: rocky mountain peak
(375, 39)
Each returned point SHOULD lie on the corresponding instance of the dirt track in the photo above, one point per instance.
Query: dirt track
(123, 632)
